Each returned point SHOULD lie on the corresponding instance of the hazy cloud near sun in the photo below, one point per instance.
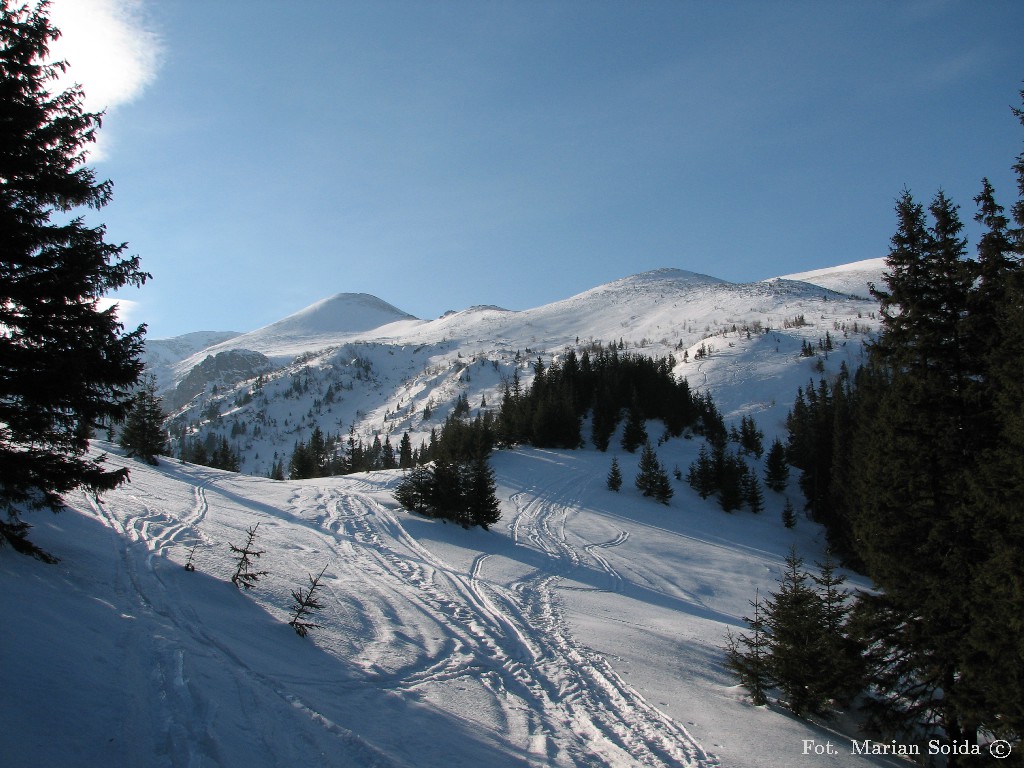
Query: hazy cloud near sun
(110, 50)
(127, 310)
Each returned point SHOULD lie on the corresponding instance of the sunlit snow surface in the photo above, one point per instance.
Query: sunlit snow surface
(585, 629)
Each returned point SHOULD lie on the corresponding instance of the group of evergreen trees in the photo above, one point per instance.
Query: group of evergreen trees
(323, 456)
(725, 472)
(915, 463)
(651, 480)
(799, 642)
(326, 455)
(454, 480)
(461, 491)
(549, 414)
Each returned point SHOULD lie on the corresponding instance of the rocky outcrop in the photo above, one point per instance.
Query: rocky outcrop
(225, 369)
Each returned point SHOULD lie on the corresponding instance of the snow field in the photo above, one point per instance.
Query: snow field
(583, 630)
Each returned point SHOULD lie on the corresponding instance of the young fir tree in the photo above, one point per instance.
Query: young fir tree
(189, 565)
(143, 434)
(776, 470)
(305, 604)
(614, 481)
(841, 677)
(245, 574)
(68, 365)
(634, 434)
(747, 656)
(788, 514)
(752, 493)
(416, 490)
(482, 503)
(701, 475)
(793, 615)
(652, 479)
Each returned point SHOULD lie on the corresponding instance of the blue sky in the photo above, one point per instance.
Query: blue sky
(444, 154)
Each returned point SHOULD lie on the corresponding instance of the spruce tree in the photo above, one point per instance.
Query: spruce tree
(701, 475)
(776, 470)
(634, 434)
(448, 493)
(730, 474)
(652, 479)
(405, 460)
(614, 481)
(224, 457)
(915, 444)
(752, 493)
(143, 433)
(302, 464)
(748, 656)
(793, 615)
(416, 491)
(68, 367)
(604, 418)
(788, 514)
(482, 504)
(841, 674)
(995, 660)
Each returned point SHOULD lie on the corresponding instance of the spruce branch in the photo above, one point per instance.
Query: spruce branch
(244, 573)
(189, 566)
(305, 604)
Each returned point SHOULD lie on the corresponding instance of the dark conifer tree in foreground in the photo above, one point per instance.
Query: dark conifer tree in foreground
(916, 444)
(66, 366)
(933, 427)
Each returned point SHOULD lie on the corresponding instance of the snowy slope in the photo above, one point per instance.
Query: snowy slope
(356, 362)
(851, 279)
(584, 630)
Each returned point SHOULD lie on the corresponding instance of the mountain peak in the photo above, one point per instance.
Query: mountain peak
(342, 313)
(662, 275)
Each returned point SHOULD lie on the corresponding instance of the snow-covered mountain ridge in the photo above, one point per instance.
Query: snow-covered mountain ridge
(353, 361)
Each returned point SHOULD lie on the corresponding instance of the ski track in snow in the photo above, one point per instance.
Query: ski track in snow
(185, 719)
(425, 626)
